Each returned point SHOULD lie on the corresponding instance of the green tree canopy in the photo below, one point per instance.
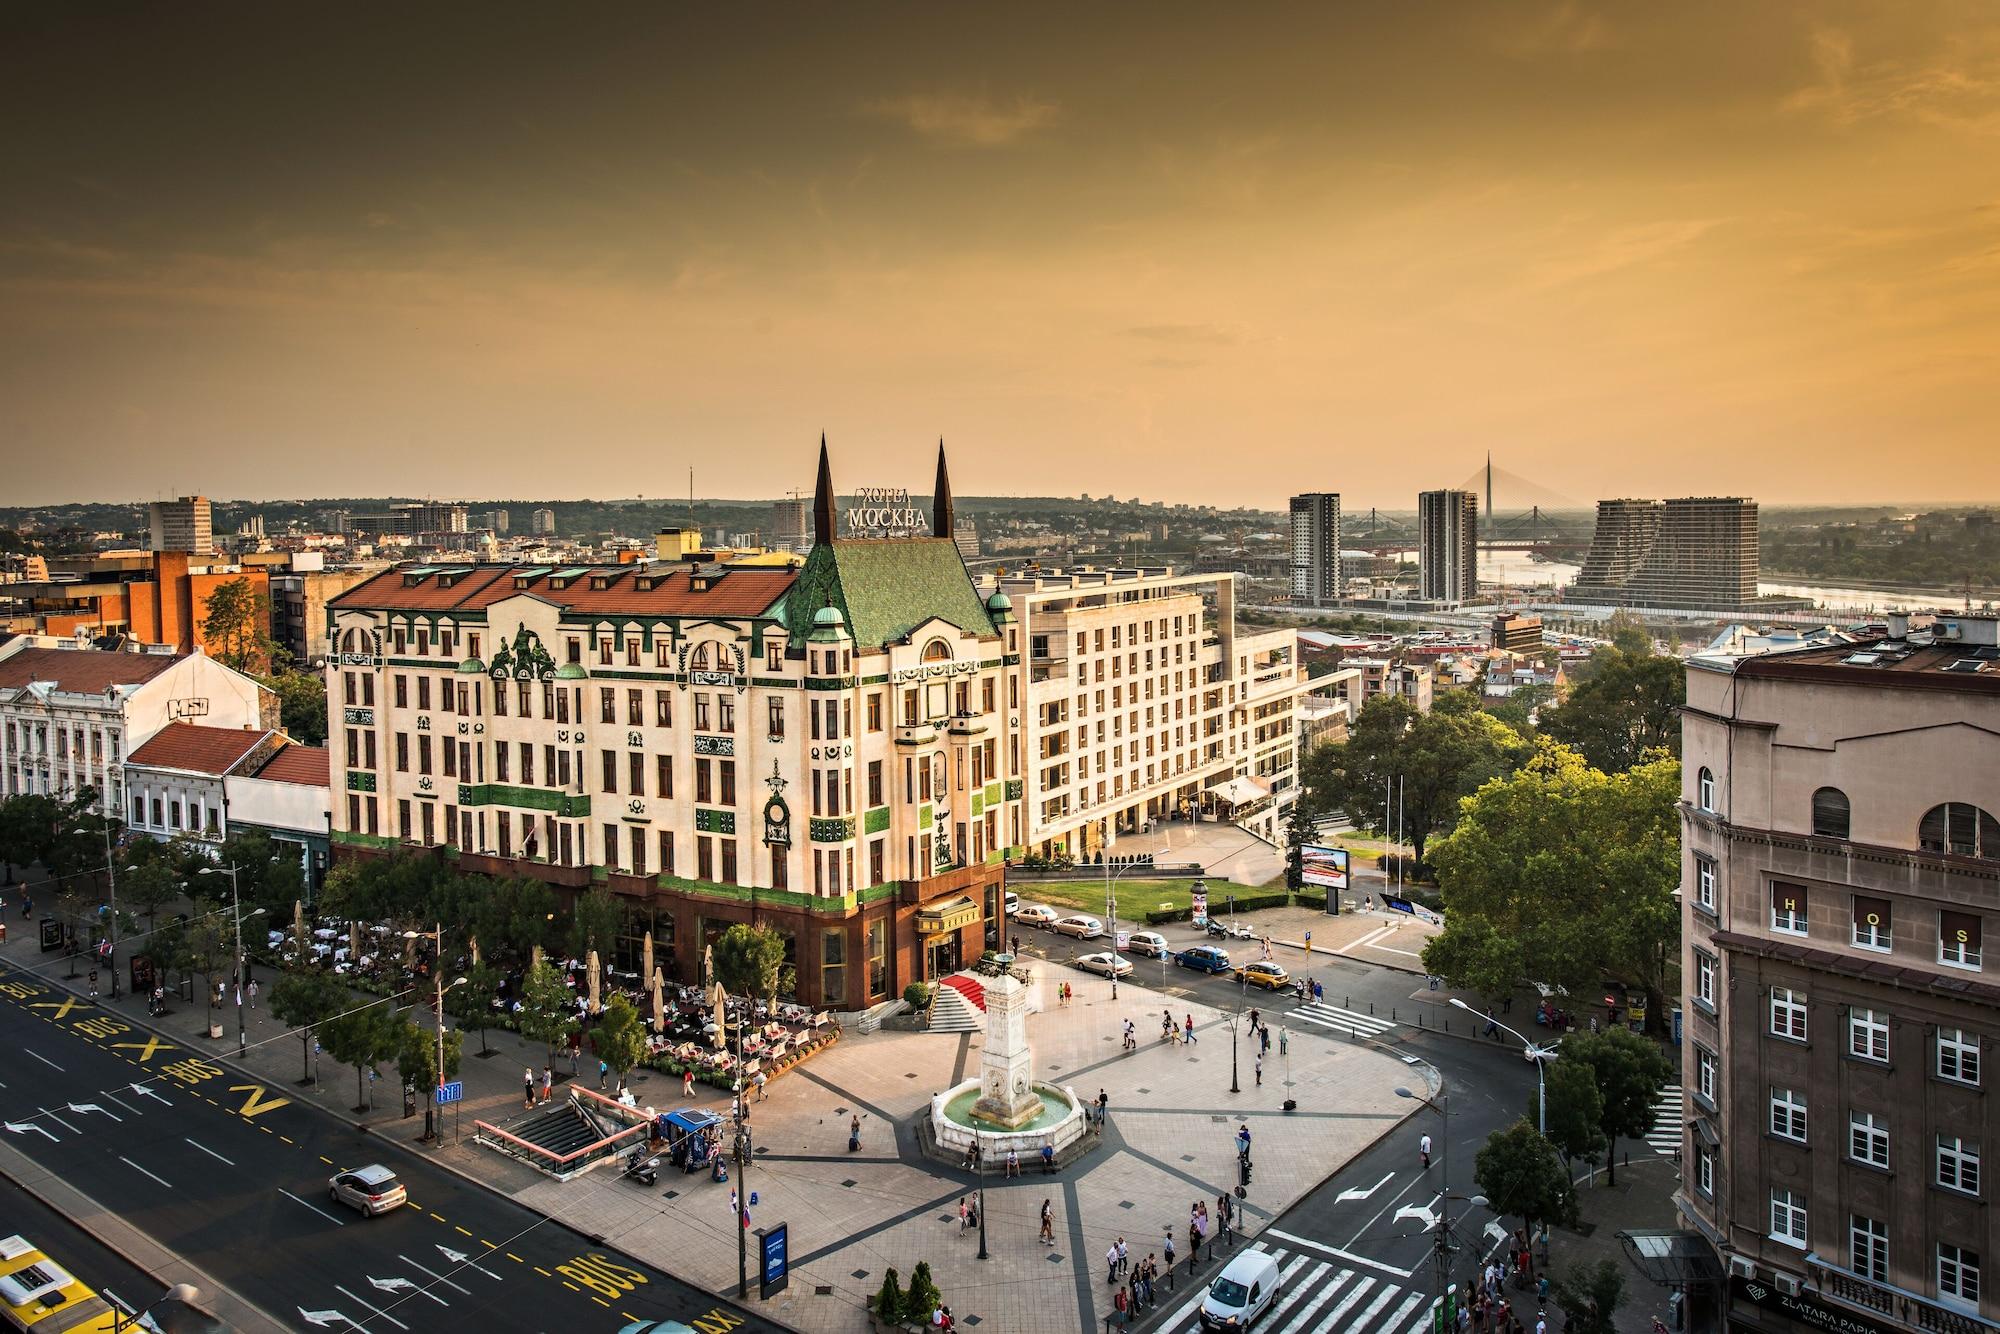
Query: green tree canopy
(1427, 761)
(1627, 705)
(304, 997)
(301, 705)
(1521, 1175)
(1590, 1296)
(748, 958)
(416, 1055)
(472, 1004)
(548, 1007)
(1630, 1071)
(268, 874)
(236, 626)
(363, 1038)
(593, 924)
(620, 1036)
(1561, 873)
(1576, 1110)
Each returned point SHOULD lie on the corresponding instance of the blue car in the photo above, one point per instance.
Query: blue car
(1204, 959)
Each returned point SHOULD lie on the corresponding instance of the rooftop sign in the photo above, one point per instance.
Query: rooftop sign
(877, 511)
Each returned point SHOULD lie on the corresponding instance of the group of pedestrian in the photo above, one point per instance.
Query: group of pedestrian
(1064, 994)
(528, 1084)
(1135, 1294)
(1483, 1307)
(1260, 1043)
(1172, 1032)
(1198, 1225)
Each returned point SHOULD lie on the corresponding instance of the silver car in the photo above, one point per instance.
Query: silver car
(373, 1189)
(1081, 925)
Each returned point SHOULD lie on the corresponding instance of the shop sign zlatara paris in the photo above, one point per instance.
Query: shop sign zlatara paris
(883, 511)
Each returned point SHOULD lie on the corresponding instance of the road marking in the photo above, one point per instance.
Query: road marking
(136, 1168)
(1368, 939)
(457, 1228)
(1335, 1251)
(143, 1091)
(211, 1153)
(122, 1103)
(23, 1127)
(433, 1274)
(397, 1283)
(61, 1008)
(1665, 1136)
(1363, 1230)
(146, 1050)
(1404, 1311)
(325, 1319)
(1364, 1194)
(256, 1104)
(43, 1059)
(337, 1222)
(1304, 1317)
(1367, 1317)
(81, 1107)
(371, 1306)
(1347, 1303)
(515, 1258)
(461, 1258)
(1342, 1021)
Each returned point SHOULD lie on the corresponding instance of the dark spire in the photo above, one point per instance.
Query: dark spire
(823, 499)
(941, 498)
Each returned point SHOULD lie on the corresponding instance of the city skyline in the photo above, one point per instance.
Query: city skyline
(1734, 252)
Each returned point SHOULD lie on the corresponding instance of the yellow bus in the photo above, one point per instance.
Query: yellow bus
(39, 1295)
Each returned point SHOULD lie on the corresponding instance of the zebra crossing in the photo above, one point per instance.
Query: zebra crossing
(1669, 1122)
(1320, 1297)
(1351, 1022)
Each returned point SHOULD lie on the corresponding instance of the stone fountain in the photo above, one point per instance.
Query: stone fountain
(1006, 1107)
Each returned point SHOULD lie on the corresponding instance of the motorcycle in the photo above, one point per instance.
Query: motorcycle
(641, 1167)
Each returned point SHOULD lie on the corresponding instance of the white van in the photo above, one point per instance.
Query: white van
(1244, 1290)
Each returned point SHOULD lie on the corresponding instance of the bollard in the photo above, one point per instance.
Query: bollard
(1371, 1008)
(1392, 1014)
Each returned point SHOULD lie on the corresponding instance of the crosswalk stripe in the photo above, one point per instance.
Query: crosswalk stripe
(1402, 1313)
(1290, 1293)
(1367, 1317)
(1332, 1016)
(1665, 1136)
(1326, 1295)
(1354, 1294)
(1174, 1321)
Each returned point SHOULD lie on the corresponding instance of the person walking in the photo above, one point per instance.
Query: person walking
(1260, 1069)
(961, 1215)
(1264, 1037)
(548, 1082)
(1111, 1263)
(1048, 1223)
(1124, 1259)
(603, 1073)
(1167, 1250)
(1103, 1105)
(1492, 1025)
(687, 1082)
(251, 991)
(1284, 1041)
(93, 984)
(1424, 1149)
(1190, 1030)
(854, 1133)
(528, 1086)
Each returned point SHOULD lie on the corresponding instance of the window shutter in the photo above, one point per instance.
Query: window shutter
(1960, 930)
(1871, 916)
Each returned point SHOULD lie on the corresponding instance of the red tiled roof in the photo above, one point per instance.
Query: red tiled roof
(739, 591)
(207, 750)
(82, 671)
(305, 765)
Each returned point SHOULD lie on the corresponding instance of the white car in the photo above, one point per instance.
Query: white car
(1102, 963)
(1036, 914)
(373, 1189)
(1013, 902)
(1081, 925)
(1149, 943)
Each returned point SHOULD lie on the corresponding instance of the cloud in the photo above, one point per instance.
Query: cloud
(1958, 90)
(1624, 247)
(1186, 333)
(1562, 29)
(966, 122)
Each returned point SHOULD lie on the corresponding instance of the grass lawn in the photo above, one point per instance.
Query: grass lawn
(1133, 896)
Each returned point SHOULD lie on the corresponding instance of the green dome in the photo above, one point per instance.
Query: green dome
(999, 603)
(570, 671)
(829, 615)
(472, 666)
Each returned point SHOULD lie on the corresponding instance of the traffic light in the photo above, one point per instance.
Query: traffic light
(1243, 1169)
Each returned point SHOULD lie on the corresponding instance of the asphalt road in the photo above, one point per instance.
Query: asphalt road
(231, 1174)
(96, 1265)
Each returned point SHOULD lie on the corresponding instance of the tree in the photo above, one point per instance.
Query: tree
(1523, 709)
(747, 961)
(362, 1038)
(303, 999)
(593, 924)
(207, 946)
(472, 1004)
(268, 873)
(150, 886)
(923, 1296)
(416, 1056)
(236, 626)
(301, 705)
(514, 915)
(1576, 1111)
(1399, 763)
(1560, 873)
(1521, 1175)
(889, 1300)
(621, 1037)
(1626, 706)
(548, 1007)
(1298, 832)
(1630, 1071)
(1590, 1296)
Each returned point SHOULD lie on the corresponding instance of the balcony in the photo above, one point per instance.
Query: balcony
(1896, 1303)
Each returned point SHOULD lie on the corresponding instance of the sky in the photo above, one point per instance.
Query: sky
(1210, 253)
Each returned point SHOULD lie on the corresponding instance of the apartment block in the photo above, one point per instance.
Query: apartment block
(186, 525)
(1315, 549)
(1448, 545)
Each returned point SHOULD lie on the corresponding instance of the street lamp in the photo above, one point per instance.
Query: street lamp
(1111, 911)
(1441, 1246)
(1235, 1022)
(183, 1293)
(436, 937)
(1539, 1053)
(236, 911)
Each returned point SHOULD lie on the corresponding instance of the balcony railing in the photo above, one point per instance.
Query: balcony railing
(1896, 1303)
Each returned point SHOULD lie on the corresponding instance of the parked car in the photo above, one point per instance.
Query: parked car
(1036, 914)
(1227, 929)
(1244, 1290)
(1081, 925)
(1264, 973)
(1149, 943)
(373, 1189)
(1204, 958)
(1105, 963)
(1013, 902)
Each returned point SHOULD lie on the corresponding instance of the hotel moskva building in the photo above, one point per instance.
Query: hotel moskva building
(839, 751)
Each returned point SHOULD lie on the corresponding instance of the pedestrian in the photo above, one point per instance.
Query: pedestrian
(1048, 1223)
(687, 1082)
(961, 1215)
(1284, 1041)
(603, 1071)
(239, 995)
(1124, 1259)
(1264, 1036)
(762, 1079)
(1260, 1069)
(1122, 1307)
(528, 1085)
(548, 1082)
(1013, 1161)
(1432, 980)
(1190, 1030)
(1111, 1264)
(1167, 1250)
(1492, 1025)
(1309, 942)
(1424, 1148)
(93, 984)
(1103, 1103)
(854, 1133)
(972, 1156)
(253, 993)
(1048, 1157)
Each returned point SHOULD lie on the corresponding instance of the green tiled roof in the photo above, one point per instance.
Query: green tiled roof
(886, 589)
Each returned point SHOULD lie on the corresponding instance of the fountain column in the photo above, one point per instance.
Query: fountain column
(1007, 1096)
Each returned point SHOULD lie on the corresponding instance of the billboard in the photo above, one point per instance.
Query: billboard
(1323, 867)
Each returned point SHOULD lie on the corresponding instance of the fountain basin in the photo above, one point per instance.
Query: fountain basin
(1060, 1123)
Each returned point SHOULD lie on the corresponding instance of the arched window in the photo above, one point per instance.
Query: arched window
(1959, 828)
(937, 651)
(1704, 790)
(699, 660)
(1830, 813)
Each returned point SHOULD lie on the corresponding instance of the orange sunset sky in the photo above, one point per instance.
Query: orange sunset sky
(1191, 252)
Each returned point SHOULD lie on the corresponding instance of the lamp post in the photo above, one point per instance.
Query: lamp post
(236, 912)
(1539, 1053)
(1235, 1022)
(1441, 1246)
(436, 937)
(180, 1292)
(1111, 911)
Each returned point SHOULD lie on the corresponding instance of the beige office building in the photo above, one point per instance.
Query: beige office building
(1841, 858)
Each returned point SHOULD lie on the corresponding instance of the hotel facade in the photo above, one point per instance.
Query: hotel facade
(833, 751)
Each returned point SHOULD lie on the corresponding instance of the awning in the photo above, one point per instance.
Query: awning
(1240, 791)
(1673, 1257)
(948, 915)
